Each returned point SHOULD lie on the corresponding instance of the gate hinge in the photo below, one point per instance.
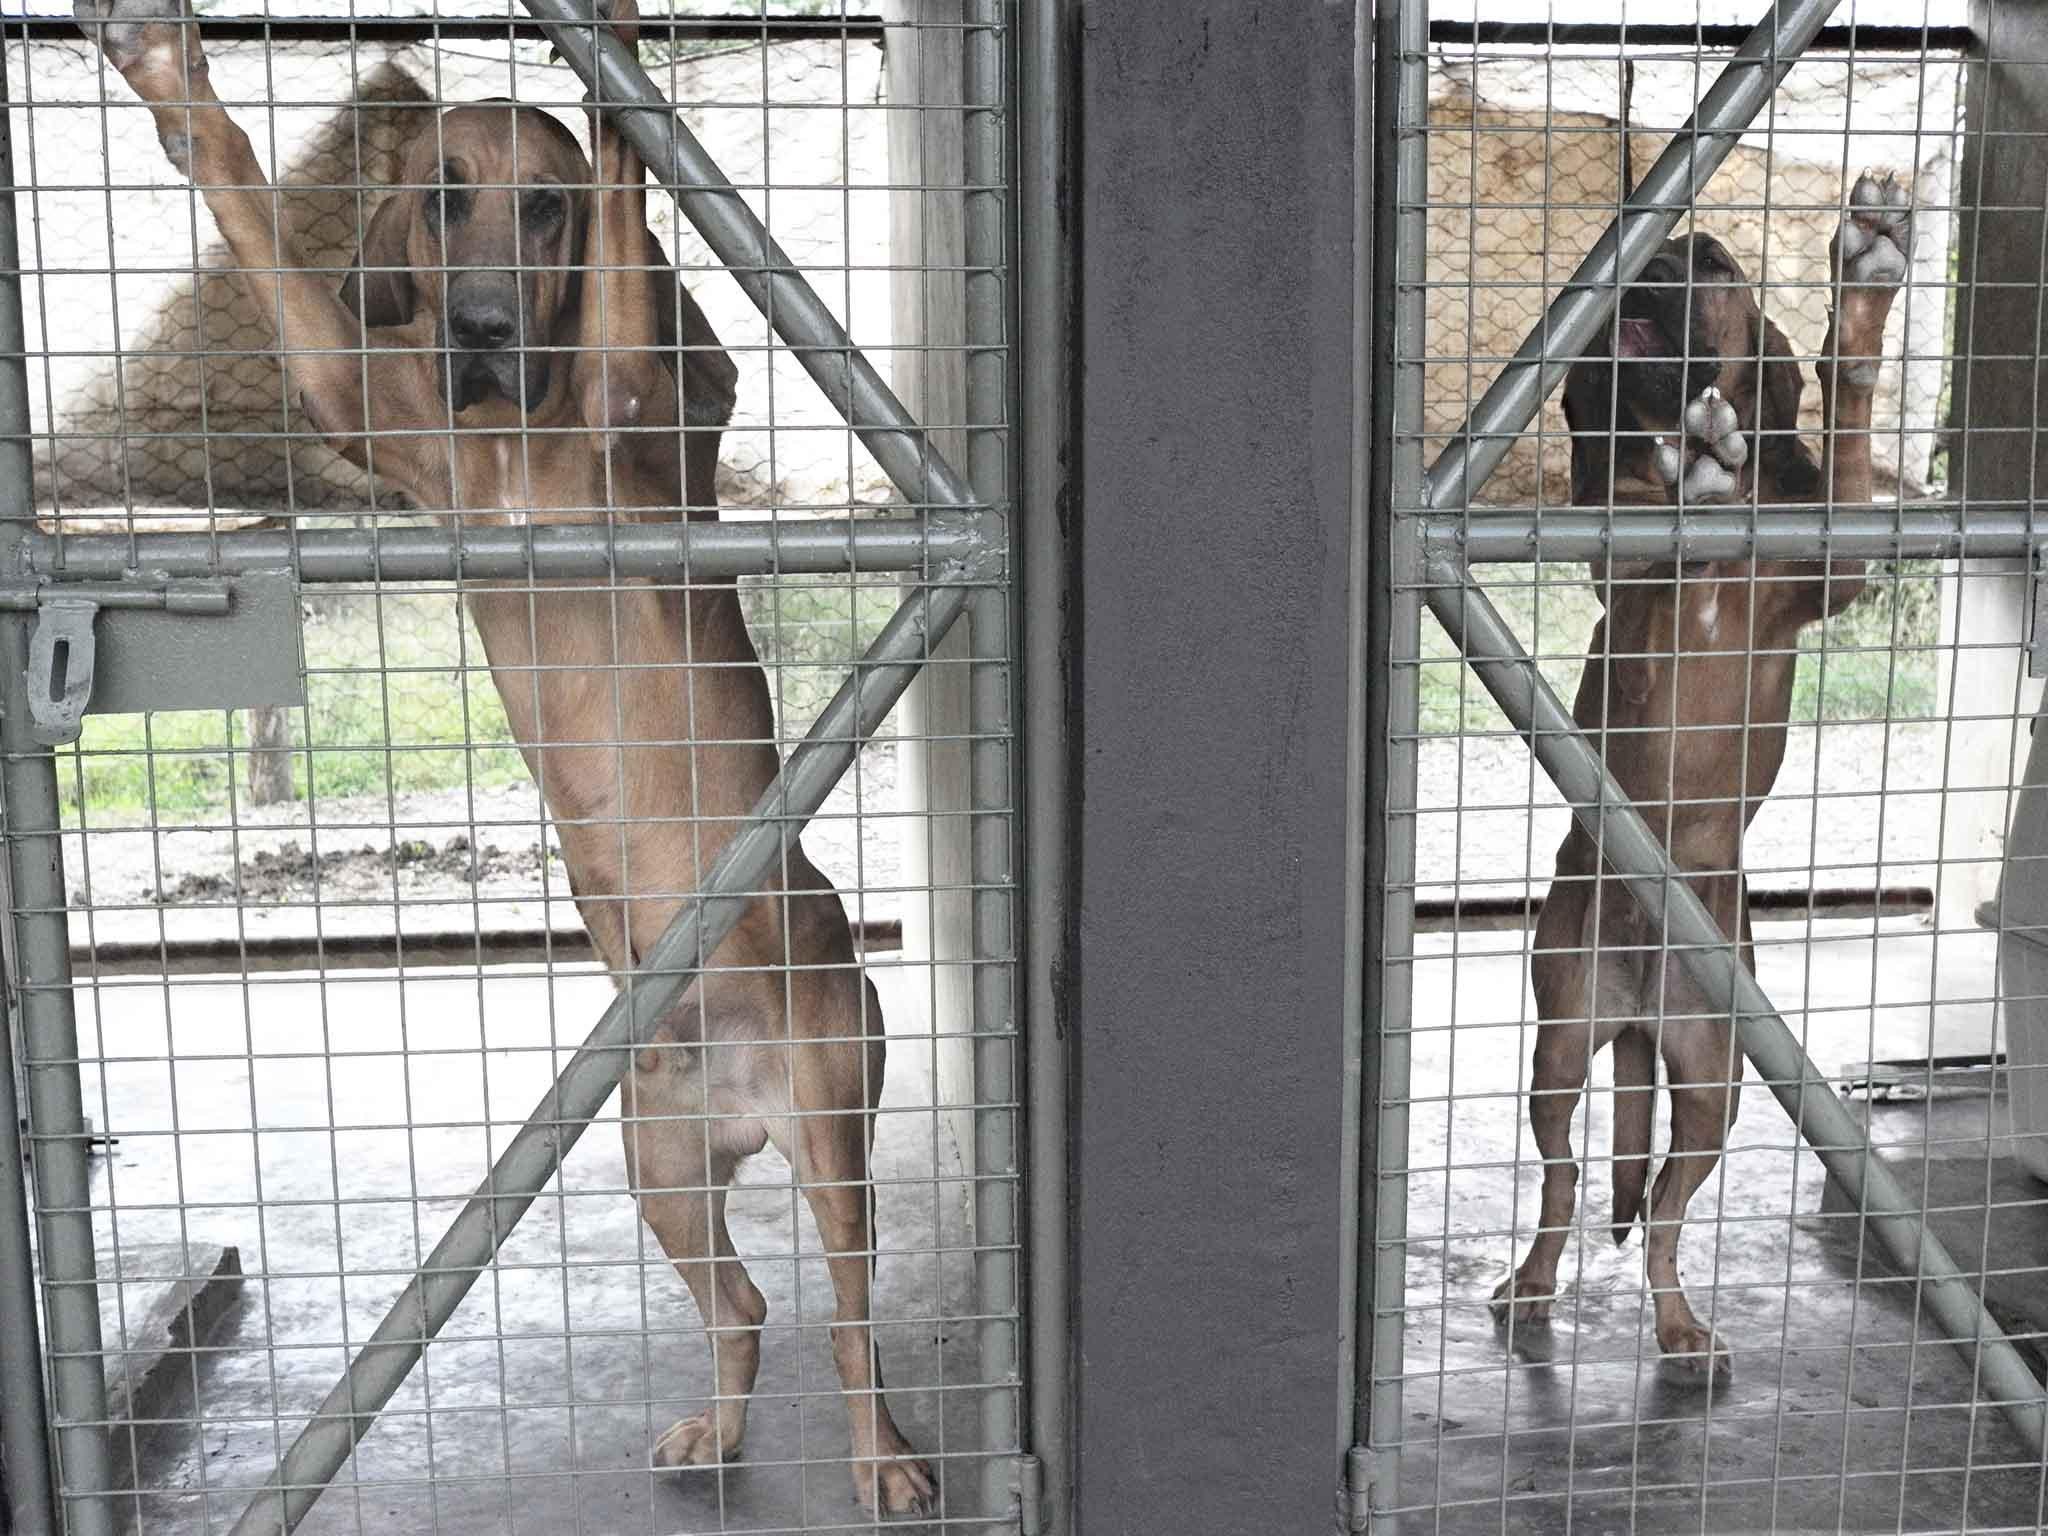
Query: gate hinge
(2037, 606)
(62, 649)
(1354, 1495)
(1029, 1485)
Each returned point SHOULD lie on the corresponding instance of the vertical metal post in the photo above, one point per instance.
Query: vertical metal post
(984, 162)
(1400, 104)
(47, 1027)
(24, 1424)
(1042, 564)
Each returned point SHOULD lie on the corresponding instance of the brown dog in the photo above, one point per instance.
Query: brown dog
(1687, 687)
(508, 352)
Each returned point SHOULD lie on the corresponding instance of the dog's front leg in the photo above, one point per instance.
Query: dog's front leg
(154, 44)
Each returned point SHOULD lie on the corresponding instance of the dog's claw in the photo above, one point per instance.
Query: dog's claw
(693, 1442)
(901, 1486)
(1530, 1310)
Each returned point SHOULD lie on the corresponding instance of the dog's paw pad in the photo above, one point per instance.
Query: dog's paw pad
(152, 43)
(1875, 240)
(1708, 466)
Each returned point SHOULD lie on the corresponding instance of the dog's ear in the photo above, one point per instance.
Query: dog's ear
(1588, 396)
(379, 290)
(1783, 454)
(710, 381)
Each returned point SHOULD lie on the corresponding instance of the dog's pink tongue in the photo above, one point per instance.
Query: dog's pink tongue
(1638, 338)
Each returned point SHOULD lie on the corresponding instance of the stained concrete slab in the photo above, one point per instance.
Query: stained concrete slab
(1846, 1412)
(165, 1303)
(331, 1133)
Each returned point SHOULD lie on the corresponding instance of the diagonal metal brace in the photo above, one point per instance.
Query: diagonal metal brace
(1640, 860)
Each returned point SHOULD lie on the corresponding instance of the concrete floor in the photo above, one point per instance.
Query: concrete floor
(536, 1410)
(1845, 1411)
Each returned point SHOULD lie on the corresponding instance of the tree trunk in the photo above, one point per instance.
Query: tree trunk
(270, 757)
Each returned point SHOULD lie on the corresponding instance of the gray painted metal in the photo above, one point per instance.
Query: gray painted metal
(46, 1027)
(246, 656)
(1401, 88)
(756, 262)
(62, 652)
(1660, 199)
(679, 550)
(559, 1120)
(991, 799)
(1490, 648)
(1045, 407)
(24, 1419)
(1215, 290)
(1927, 530)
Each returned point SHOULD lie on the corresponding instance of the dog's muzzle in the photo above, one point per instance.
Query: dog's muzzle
(487, 354)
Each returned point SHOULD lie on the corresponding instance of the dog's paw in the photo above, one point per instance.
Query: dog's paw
(899, 1485)
(1522, 1303)
(1872, 246)
(1691, 1349)
(1707, 465)
(694, 1442)
(153, 43)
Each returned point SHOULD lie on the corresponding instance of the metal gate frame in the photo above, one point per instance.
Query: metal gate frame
(1428, 541)
(57, 1454)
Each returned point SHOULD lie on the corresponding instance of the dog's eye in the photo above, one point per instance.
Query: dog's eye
(450, 202)
(538, 209)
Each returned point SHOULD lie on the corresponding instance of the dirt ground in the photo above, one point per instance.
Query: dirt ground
(429, 862)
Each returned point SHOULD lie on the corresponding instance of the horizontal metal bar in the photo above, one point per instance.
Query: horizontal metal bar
(464, 947)
(740, 240)
(1640, 862)
(677, 549)
(565, 1112)
(1858, 37)
(181, 597)
(1925, 531)
(384, 30)
(1665, 194)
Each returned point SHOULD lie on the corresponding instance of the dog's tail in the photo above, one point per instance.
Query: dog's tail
(1635, 1085)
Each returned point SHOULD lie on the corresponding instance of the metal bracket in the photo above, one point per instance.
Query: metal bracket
(60, 665)
(2037, 627)
(143, 654)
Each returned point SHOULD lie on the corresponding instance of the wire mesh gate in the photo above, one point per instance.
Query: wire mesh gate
(265, 1051)
(1866, 1251)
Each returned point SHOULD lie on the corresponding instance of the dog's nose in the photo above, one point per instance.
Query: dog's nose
(483, 315)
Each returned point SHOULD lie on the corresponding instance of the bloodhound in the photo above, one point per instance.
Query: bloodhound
(515, 348)
(1693, 400)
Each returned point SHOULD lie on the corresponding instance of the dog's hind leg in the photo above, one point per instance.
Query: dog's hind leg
(1635, 1099)
(836, 1081)
(679, 1159)
(1561, 970)
(1703, 1102)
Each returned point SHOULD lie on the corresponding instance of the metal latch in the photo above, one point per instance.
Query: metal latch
(1029, 1487)
(60, 658)
(63, 650)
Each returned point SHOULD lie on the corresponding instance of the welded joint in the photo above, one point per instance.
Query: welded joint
(983, 555)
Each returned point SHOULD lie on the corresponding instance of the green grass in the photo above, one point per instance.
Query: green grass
(398, 700)
(1875, 661)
